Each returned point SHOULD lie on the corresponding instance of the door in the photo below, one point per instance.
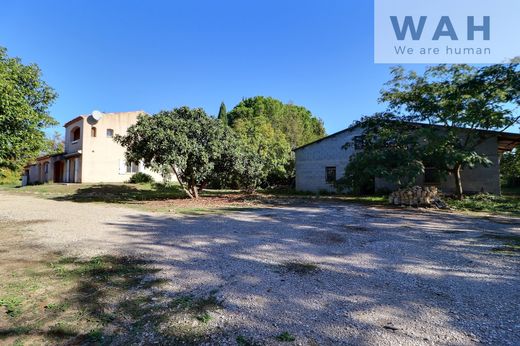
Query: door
(58, 172)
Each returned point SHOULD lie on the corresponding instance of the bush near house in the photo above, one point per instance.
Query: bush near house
(141, 178)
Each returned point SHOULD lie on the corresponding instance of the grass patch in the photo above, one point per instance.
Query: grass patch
(82, 301)
(506, 204)
(301, 268)
(285, 337)
(150, 197)
(12, 305)
(511, 243)
(204, 318)
(244, 341)
(47, 298)
(106, 193)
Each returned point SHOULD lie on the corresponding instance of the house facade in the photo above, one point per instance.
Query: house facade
(91, 155)
(319, 164)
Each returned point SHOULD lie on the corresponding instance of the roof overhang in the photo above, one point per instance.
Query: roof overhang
(75, 154)
(78, 118)
(508, 141)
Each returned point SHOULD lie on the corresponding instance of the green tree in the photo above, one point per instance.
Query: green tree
(185, 140)
(222, 113)
(463, 100)
(237, 167)
(510, 168)
(268, 144)
(272, 129)
(24, 102)
(54, 144)
(391, 150)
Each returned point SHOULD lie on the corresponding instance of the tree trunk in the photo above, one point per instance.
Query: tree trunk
(458, 182)
(181, 183)
(193, 188)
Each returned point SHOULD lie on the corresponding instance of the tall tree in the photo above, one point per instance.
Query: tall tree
(272, 129)
(54, 144)
(24, 102)
(510, 168)
(463, 100)
(222, 113)
(186, 141)
(391, 150)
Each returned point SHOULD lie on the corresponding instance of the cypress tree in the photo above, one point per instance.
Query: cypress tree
(222, 113)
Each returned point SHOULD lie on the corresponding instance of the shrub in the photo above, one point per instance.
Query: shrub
(141, 178)
(9, 177)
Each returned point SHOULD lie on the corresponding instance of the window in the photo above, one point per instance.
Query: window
(330, 174)
(431, 176)
(93, 132)
(76, 134)
(359, 142)
(46, 168)
(132, 168)
(110, 133)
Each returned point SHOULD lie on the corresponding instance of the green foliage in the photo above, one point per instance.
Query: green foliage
(222, 114)
(12, 305)
(141, 178)
(9, 177)
(238, 167)
(510, 168)
(24, 102)
(285, 337)
(391, 151)
(271, 130)
(193, 145)
(204, 317)
(506, 204)
(460, 98)
(268, 147)
(54, 144)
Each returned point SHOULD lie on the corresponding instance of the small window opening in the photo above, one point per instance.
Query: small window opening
(76, 134)
(431, 176)
(93, 132)
(110, 133)
(330, 174)
(132, 167)
(359, 142)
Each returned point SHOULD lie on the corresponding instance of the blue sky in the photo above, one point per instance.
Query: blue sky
(153, 55)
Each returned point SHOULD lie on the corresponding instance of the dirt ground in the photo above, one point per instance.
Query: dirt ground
(321, 273)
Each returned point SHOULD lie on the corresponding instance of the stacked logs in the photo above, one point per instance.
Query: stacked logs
(416, 196)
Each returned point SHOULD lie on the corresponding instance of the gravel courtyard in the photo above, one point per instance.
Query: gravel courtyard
(326, 273)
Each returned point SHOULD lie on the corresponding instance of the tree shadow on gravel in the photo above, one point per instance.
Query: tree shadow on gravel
(102, 300)
(121, 193)
(404, 278)
(326, 275)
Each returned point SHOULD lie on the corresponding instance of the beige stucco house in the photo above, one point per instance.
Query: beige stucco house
(91, 154)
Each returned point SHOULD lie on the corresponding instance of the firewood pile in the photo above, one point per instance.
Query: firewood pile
(417, 196)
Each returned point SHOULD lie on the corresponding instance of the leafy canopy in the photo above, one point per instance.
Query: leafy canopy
(272, 129)
(510, 168)
(460, 98)
(24, 102)
(390, 150)
(186, 141)
(222, 113)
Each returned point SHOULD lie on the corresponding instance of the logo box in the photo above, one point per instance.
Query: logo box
(446, 31)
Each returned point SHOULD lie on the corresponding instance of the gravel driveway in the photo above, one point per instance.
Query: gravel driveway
(368, 276)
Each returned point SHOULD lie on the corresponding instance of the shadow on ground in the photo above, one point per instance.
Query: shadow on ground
(327, 275)
(381, 276)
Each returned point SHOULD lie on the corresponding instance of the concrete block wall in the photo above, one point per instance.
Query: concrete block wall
(312, 160)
